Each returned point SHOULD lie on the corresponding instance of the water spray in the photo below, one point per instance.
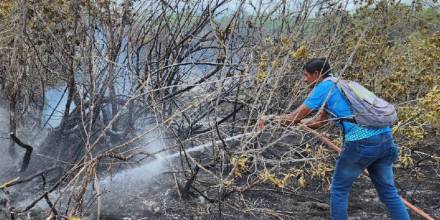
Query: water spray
(206, 145)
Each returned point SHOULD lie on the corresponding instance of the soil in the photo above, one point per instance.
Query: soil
(143, 197)
(160, 201)
(157, 198)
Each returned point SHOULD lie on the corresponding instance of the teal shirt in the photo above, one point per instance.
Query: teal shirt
(338, 107)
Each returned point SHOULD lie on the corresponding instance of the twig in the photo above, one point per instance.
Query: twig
(27, 179)
(27, 155)
(185, 189)
(46, 197)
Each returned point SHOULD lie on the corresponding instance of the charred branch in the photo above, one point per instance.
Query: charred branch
(27, 155)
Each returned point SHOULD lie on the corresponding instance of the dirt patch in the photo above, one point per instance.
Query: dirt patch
(160, 201)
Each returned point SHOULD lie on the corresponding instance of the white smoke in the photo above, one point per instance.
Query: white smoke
(6, 162)
(152, 142)
(134, 180)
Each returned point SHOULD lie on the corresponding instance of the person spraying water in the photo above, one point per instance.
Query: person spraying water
(364, 147)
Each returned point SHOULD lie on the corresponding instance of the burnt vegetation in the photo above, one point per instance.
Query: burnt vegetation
(202, 72)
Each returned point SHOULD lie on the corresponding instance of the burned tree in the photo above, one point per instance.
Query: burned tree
(197, 74)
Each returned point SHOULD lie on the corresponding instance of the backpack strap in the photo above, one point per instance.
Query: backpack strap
(336, 80)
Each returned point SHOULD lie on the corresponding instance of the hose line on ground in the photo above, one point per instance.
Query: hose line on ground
(327, 141)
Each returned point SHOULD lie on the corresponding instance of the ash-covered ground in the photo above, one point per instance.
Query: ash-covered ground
(148, 190)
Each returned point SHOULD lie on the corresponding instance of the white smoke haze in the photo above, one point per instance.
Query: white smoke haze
(6, 161)
(120, 186)
(34, 137)
(152, 142)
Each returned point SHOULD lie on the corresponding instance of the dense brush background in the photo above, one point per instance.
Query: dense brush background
(111, 94)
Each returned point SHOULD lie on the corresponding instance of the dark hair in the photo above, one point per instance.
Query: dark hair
(318, 64)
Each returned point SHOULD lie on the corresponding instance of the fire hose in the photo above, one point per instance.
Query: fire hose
(320, 136)
(333, 146)
(327, 141)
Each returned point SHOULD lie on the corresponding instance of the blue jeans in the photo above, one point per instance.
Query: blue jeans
(376, 154)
